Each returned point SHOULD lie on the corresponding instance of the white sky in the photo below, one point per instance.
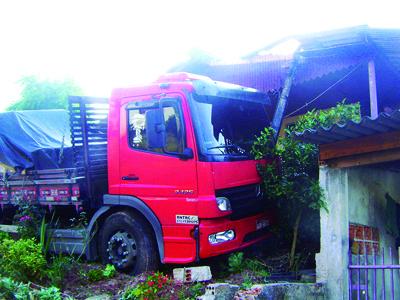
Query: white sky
(106, 44)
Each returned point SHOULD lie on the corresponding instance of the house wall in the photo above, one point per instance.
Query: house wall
(369, 206)
(332, 261)
(354, 195)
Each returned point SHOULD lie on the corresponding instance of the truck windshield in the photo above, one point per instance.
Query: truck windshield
(226, 128)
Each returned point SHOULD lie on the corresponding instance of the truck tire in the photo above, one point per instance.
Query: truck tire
(127, 242)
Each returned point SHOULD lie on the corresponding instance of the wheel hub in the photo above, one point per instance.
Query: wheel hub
(121, 249)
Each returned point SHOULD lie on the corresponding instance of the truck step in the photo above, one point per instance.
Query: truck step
(9, 228)
(68, 241)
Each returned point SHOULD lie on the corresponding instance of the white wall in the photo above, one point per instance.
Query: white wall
(369, 206)
(354, 195)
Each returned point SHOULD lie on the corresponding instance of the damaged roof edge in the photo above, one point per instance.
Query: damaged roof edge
(385, 122)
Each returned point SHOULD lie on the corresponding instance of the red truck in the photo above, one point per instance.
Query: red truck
(164, 173)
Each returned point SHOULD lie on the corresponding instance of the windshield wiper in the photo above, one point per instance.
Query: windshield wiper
(239, 150)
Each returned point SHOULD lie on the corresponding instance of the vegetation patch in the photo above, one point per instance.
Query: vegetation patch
(22, 260)
(291, 178)
(160, 286)
(99, 274)
(10, 290)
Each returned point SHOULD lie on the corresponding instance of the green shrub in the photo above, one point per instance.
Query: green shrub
(291, 180)
(28, 218)
(238, 264)
(99, 274)
(22, 260)
(247, 282)
(12, 290)
(95, 275)
(4, 236)
(235, 262)
(195, 290)
(340, 114)
(148, 289)
(109, 271)
(9, 289)
(50, 293)
(159, 286)
(58, 268)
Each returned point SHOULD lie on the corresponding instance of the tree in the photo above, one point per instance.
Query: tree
(291, 180)
(44, 94)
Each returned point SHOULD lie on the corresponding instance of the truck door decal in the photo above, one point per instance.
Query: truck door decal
(187, 219)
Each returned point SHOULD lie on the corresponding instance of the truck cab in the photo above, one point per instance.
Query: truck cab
(182, 147)
(164, 172)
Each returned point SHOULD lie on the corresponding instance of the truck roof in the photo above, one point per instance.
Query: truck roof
(202, 85)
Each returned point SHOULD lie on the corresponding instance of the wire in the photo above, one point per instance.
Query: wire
(326, 90)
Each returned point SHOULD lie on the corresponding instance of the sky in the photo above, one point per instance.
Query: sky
(106, 44)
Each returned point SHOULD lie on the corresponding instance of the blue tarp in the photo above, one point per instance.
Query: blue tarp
(36, 139)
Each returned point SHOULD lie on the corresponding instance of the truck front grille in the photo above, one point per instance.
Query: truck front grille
(246, 200)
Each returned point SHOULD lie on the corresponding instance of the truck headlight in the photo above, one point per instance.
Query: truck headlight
(223, 204)
(221, 237)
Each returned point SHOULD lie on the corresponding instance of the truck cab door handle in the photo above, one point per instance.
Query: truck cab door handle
(130, 178)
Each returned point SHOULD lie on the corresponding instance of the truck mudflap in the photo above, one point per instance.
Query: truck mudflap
(235, 235)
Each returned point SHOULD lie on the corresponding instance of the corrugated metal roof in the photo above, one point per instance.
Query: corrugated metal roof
(270, 75)
(385, 122)
(323, 53)
(387, 43)
(361, 40)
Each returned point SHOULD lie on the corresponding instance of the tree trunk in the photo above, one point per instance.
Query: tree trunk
(294, 241)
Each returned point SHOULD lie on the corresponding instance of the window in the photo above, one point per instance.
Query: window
(173, 130)
(363, 239)
(167, 123)
(227, 127)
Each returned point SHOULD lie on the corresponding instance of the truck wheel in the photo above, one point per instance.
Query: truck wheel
(126, 241)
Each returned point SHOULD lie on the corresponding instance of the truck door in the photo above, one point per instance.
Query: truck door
(157, 163)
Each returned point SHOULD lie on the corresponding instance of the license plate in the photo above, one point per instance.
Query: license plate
(262, 223)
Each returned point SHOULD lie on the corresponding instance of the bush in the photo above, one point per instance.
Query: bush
(340, 114)
(22, 260)
(50, 293)
(109, 271)
(28, 219)
(238, 264)
(148, 289)
(235, 262)
(4, 236)
(99, 274)
(10, 290)
(291, 180)
(58, 268)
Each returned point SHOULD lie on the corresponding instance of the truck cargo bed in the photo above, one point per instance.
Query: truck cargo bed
(82, 184)
(88, 122)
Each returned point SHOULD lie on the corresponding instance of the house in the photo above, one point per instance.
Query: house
(360, 233)
(359, 162)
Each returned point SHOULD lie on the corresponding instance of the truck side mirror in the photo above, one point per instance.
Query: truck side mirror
(155, 129)
(186, 154)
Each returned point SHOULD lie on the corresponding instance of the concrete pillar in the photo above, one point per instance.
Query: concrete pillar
(332, 261)
(373, 99)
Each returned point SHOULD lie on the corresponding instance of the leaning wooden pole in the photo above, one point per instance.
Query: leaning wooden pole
(282, 102)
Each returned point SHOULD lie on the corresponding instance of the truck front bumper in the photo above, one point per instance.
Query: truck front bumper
(247, 232)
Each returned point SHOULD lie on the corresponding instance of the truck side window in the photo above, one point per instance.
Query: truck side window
(137, 128)
(174, 142)
(173, 130)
